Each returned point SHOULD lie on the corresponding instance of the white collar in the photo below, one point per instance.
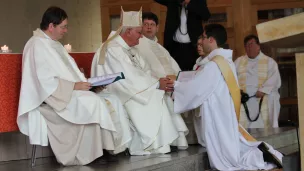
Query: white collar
(39, 33)
(226, 53)
(256, 58)
(154, 40)
(48, 37)
(202, 61)
(122, 42)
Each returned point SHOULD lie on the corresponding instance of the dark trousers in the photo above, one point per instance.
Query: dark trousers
(185, 54)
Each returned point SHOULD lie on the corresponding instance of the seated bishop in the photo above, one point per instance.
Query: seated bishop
(155, 128)
(56, 105)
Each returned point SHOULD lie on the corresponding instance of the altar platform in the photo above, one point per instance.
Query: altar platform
(195, 158)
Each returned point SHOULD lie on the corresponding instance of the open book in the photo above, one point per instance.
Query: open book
(106, 79)
(184, 76)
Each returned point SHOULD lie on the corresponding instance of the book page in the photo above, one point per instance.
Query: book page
(106, 79)
(184, 76)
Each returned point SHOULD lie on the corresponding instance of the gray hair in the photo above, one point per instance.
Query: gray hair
(124, 29)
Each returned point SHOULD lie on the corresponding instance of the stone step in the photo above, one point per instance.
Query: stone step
(195, 158)
(291, 162)
(276, 137)
(256, 170)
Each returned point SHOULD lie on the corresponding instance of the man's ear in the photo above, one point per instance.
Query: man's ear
(157, 27)
(210, 39)
(51, 26)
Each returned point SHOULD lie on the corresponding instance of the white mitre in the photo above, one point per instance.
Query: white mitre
(127, 19)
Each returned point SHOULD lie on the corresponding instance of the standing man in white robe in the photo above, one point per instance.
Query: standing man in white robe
(161, 63)
(56, 104)
(159, 59)
(259, 77)
(229, 147)
(154, 128)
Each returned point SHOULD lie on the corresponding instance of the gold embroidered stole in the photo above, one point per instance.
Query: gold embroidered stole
(161, 56)
(234, 91)
(262, 77)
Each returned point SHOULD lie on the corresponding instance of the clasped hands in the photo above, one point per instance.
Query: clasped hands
(167, 83)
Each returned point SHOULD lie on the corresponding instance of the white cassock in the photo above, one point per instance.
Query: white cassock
(78, 124)
(197, 118)
(161, 64)
(270, 86)
(200, 63)
(159, 59)
(154, 127)
(226, 147)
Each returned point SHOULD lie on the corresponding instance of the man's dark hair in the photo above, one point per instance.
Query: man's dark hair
(225, 46)
(150, 16)
(53, 15)
(251, 36)
(200, 37)
(218, 32)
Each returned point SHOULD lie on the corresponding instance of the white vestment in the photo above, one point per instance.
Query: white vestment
(195, 113)
(48, 75)
(154, 127)
(159, 59)
(161, 64)
(200, 63)
(270, 87)
(226, 147)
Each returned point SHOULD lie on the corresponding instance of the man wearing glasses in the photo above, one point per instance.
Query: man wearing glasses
(162, 65)
(259, 80)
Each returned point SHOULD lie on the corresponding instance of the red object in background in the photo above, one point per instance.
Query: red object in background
(10, 81)
(84, 60)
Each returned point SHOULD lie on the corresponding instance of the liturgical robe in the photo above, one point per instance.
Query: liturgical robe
(197, 118)
(226, 147)
(159, 59)
(154, 127)
(161, 65)
(251, 70)
(79, 124)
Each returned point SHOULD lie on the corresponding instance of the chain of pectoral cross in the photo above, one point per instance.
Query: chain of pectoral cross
(134, 59)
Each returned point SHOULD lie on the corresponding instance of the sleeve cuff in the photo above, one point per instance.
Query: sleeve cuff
(266, 90)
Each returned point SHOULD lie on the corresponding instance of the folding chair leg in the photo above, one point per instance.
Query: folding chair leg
(33, 161)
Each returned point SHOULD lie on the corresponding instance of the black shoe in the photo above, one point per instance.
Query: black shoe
(269, 157)
(109, 157)
(173, 149)
(127, 152)
(101, 160)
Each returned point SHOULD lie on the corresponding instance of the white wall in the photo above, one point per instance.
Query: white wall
(18, 19)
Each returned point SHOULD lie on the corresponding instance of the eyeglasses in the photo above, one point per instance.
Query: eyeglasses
(151, 24)
(250, 44)
(203, 37)
(63, 27)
